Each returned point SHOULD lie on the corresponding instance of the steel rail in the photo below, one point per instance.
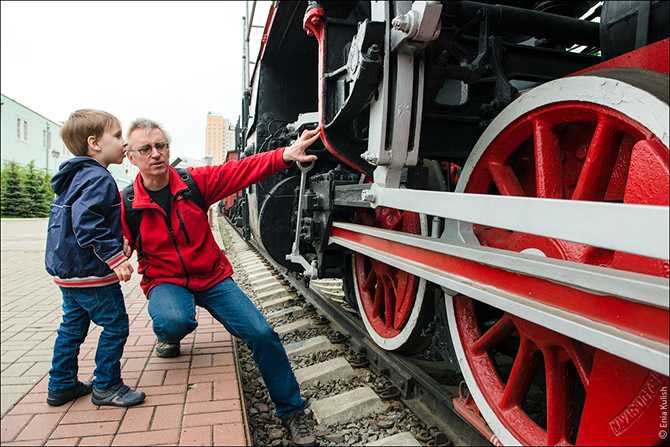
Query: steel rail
(638, 229)
(428, 399)
(631, 330)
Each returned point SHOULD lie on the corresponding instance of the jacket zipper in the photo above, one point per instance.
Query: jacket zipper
(174, 241)
(183, 227)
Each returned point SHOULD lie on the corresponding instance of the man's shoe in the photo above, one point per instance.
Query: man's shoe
(301, 434)
(79, 389)
(167, 350)
(119, 396)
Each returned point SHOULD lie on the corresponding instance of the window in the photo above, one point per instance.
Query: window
(21, 128)
(46, 139)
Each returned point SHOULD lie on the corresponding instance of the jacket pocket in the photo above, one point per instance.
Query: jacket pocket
(183, 227)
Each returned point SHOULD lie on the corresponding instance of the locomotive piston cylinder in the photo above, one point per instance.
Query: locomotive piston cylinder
(527, 22)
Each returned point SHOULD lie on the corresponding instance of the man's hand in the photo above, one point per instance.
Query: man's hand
(296, 151)
(124, 271)
(127, 249)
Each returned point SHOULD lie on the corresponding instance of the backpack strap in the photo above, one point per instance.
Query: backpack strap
(134, 216)
(194, 192)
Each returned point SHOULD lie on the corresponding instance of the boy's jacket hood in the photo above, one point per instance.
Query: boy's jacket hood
(62, 179)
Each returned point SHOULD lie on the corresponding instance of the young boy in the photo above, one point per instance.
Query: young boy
(85, 256)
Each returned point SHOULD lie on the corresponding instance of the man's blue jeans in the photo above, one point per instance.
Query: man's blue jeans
(105, 307)
(172, 309)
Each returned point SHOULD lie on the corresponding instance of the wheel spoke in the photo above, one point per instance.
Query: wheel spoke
(401, 289)
(397, 222)
(582, 357)
(365, 218)
(370, 281)
(378, 305)
(560, 397)
(389, 218)
(502, 329)
(548, 167)
(388, 296)
(577, 150)
(505, 179)
(527, 361)
(390, 305)
(600, 161)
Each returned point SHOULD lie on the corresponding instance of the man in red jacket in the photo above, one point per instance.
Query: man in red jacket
(182, 265)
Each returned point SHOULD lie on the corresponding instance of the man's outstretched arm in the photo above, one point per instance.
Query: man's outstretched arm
(296, 151)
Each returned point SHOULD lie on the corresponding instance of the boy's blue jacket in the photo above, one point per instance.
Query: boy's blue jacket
(85, 235)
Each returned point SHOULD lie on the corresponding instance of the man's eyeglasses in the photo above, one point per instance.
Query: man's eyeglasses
(146, 150)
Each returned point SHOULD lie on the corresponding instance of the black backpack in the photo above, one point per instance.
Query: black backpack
(134, 216)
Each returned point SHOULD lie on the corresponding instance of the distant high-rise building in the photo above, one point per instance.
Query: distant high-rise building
(219, 137)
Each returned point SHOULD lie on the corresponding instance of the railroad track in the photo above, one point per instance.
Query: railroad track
(357, 393)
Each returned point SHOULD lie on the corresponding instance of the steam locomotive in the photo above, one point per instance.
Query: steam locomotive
(492, 185)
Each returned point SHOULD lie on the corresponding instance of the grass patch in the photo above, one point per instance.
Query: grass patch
(224, 237)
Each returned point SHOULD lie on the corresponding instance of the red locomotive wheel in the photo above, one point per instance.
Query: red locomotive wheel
(571, 139)
(389, 300)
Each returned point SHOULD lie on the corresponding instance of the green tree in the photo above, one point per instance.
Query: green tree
(34, 186)
(15, 201)
(45, 178)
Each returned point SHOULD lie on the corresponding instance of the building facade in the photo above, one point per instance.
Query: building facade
(28, 135)
(219, 137)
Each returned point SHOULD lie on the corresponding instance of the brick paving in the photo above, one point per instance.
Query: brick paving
(193, 399)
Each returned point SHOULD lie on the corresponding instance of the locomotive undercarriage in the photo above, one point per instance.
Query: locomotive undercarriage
(485, 190)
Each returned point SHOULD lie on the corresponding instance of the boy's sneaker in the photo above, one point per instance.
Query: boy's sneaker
(167, 350)
(301, 434)
(118, 395)
(78, 390)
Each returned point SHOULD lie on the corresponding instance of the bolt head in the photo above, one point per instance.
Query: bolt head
(401, 23)
(368, 195)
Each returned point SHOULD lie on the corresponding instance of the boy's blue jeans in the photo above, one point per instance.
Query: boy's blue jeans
(105, 307)
(172, 309)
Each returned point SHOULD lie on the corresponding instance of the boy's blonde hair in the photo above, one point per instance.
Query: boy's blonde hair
(82, 124)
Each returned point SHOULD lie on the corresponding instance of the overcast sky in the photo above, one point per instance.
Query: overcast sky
(168, 61)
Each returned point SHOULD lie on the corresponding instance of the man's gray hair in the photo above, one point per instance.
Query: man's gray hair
(147, 125)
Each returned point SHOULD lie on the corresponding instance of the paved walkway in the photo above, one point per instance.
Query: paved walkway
(193, 399)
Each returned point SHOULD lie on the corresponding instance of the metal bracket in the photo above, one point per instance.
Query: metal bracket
(311, 269)
(304, 119)
(410, 33)
(418, 26)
